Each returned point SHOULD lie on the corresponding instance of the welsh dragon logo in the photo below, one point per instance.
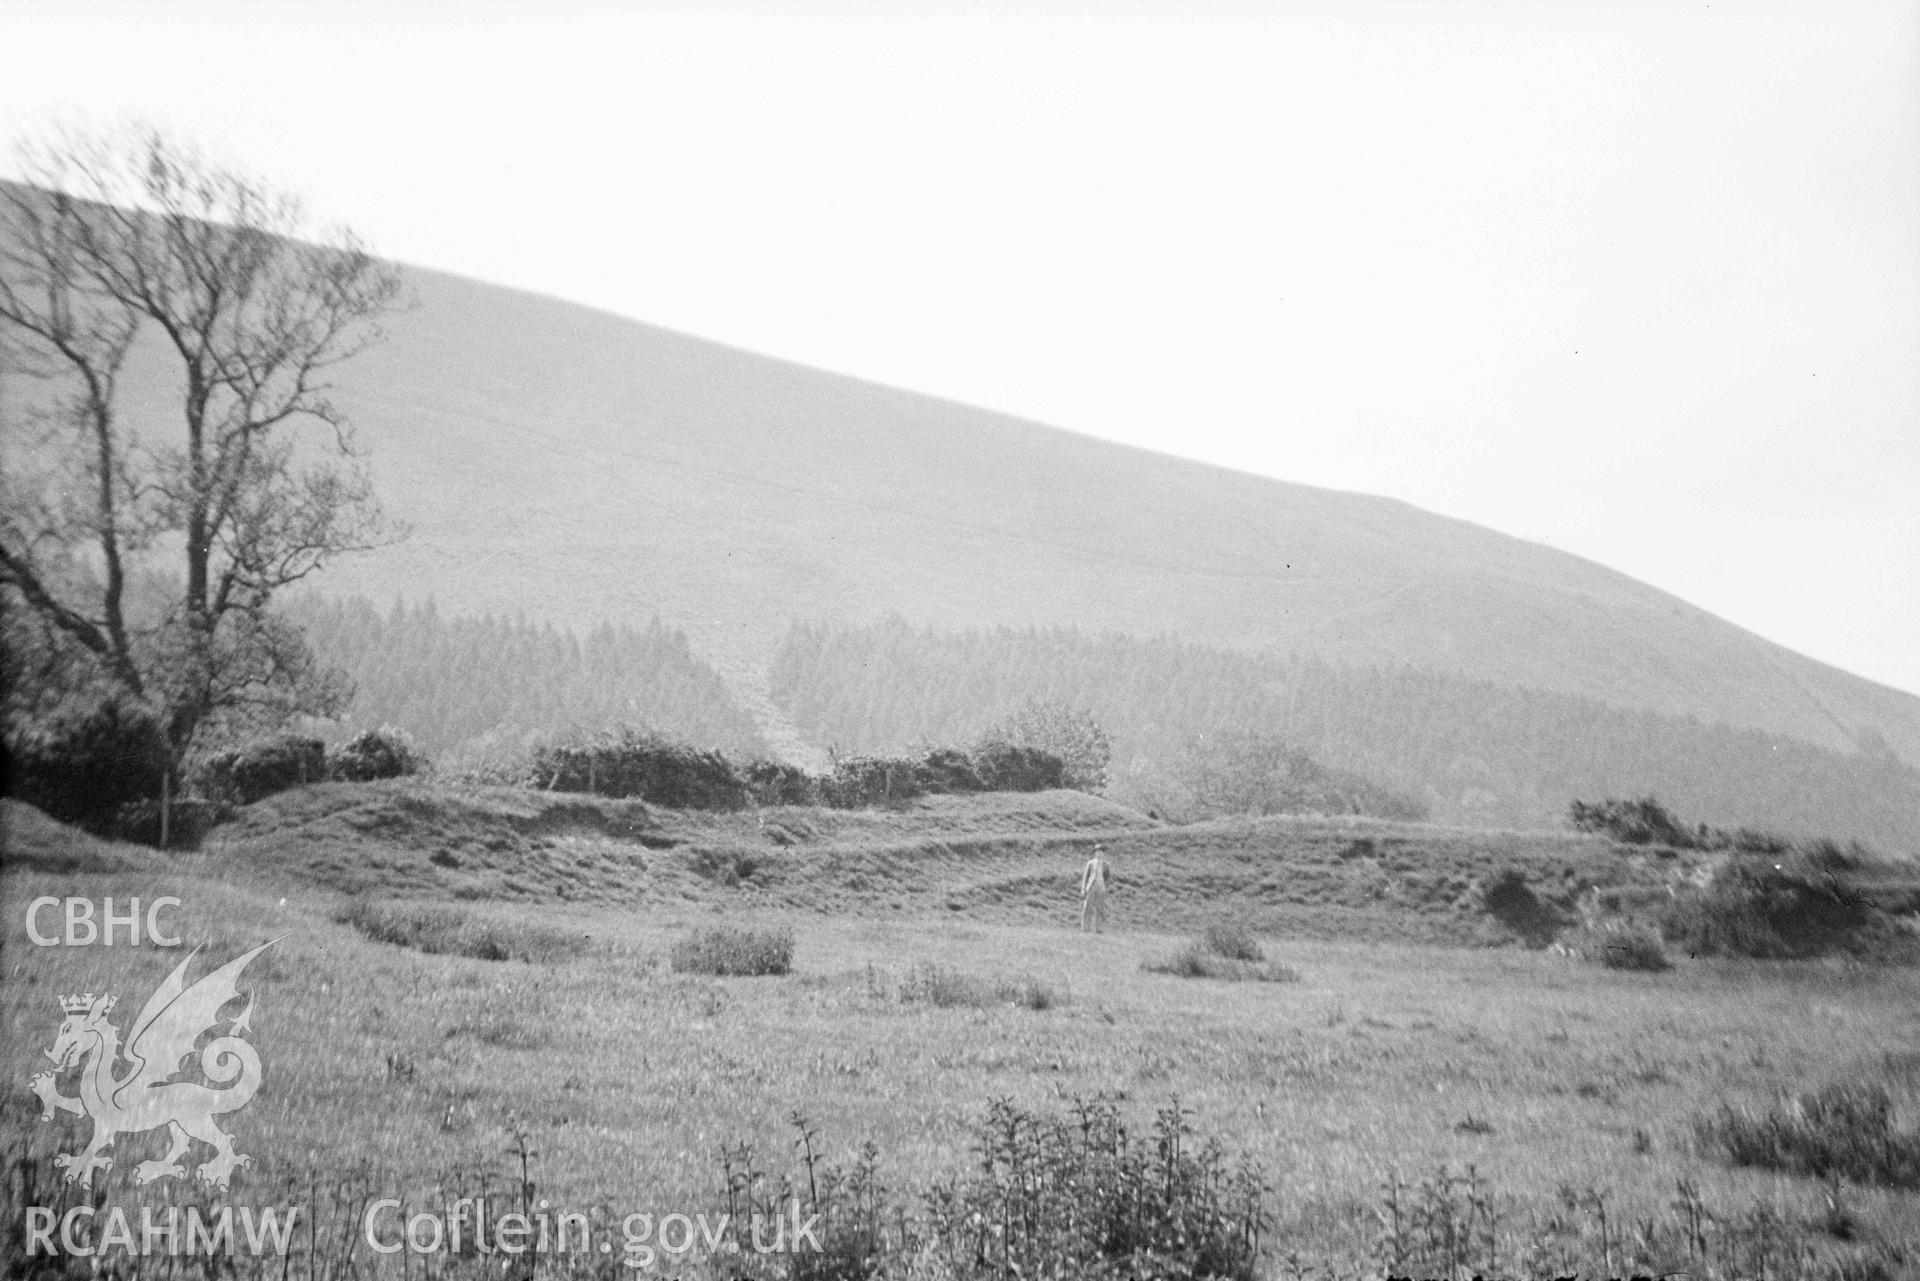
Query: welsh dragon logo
(143, 1098)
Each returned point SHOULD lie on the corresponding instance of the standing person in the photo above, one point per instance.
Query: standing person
(1093, 892)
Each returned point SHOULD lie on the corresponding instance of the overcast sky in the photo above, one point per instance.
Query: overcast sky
(1640, 281)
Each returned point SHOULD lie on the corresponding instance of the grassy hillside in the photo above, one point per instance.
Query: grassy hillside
(1572, 1092)
(579, 467)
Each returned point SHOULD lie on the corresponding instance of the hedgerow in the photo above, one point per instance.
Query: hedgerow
(263, 767)
(631, 762)
(373, 754)
(87, 760)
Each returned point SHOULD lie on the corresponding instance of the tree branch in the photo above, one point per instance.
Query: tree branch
(17, 574)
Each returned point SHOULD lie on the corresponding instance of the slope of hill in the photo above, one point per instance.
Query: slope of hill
(579, 466)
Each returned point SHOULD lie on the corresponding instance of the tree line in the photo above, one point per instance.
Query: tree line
(1473, 751)
(470, 689)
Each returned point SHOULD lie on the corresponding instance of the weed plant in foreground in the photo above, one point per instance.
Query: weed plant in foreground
(1068, 1193)
(1074, 1191)
(1457, 1223)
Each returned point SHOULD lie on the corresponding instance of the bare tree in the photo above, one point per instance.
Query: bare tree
(153, 536)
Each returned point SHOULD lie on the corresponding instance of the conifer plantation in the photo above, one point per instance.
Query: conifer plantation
(1470, 751)
(473, 689)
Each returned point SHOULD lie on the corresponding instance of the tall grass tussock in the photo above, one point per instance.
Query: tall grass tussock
(1844, 1129)
(1633, 948)
(1224, 950)
(733, 951)
(439, 928)
(944, 987)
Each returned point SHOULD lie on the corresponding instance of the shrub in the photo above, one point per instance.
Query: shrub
(1845, 1130)
(439, 929)
(629, 762)
(725, 950)
(1072, 734)
(948, 770)
(373, 754)
(1511, 901)
(87, 759)
(1641, 822)
(1009, 767)
(1634, 949)
(1233, 941)
(469, 769)
(778, 783)
(1756, 908)
(860, 781)
(264, 767)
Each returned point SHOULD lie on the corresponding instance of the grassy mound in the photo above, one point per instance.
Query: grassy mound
(32, 841)
(996, 857)
(1008, 857)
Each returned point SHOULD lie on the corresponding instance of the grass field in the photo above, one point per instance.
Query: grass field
(1571, 1090)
